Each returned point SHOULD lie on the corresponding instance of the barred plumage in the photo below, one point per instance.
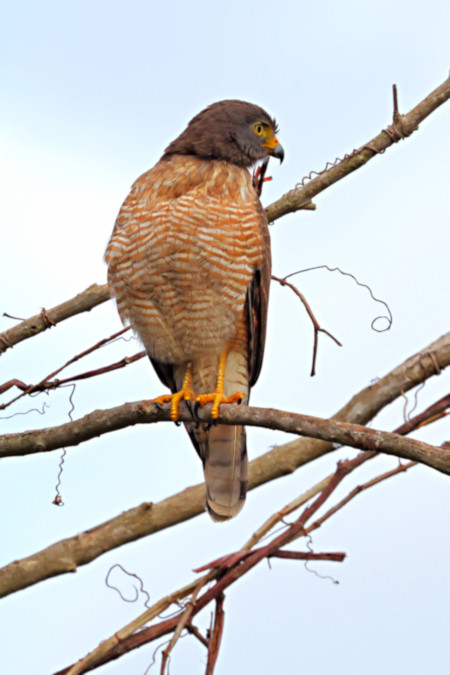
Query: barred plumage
(189, 266)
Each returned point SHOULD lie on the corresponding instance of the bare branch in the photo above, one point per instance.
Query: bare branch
(307, 555)
(68, 554)
(49, 383)
(294, 200)
(317, 328)
(225, 571)
(216, 637)
(146, 412)
(83, 302)
(357, 490)
(234, 567)
(402, 126)
(183, 620)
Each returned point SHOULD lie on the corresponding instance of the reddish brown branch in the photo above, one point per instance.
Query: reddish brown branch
(317, 327)
(228, 570)
(430, 414)
(49, 383)
(216, 637)
(225, 576)
(304, 555)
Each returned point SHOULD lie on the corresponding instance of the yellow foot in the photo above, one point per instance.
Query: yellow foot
(217, 398)
(185, 394)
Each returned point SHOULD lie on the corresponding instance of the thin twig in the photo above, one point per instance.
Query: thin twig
(184, 619)
(49, 383)
(216, 637)
(317, 328)
(226, 573)
(357, 490)
(308, 555)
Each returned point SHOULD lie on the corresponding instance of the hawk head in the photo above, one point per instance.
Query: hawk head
(234, 131)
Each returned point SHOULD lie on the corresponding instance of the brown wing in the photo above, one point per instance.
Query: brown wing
(165, 373)
(257, 304)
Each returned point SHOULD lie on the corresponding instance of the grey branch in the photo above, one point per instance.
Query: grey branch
(83, 302)
(294, 200)
(68, 554)
(402, 127)
(146, 412)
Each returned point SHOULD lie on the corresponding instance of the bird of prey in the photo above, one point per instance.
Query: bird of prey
(189, 265)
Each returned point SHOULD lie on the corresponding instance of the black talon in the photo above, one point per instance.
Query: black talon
(177, 423)
(189, 407)
(158, 405)
(196, 407)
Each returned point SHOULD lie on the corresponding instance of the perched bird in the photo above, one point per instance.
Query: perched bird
(189, 265)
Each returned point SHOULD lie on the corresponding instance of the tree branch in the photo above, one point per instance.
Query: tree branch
(67, 554)
(83, 302)
(360, 409)
(224, 572)
(402, 126)
(294, 200)
(146, 412)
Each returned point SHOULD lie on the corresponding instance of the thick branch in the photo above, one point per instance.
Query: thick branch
(83, 302)
(403, 126)
(224, 572)
(362, 407)
(68, 554)
(146, 412)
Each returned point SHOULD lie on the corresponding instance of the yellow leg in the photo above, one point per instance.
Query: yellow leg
(218, 396)
(186, 393)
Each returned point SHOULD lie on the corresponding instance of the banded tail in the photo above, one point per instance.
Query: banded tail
(225, 464)
(223, 448)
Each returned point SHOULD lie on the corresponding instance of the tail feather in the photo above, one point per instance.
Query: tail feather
(226, 471)
(222, 448)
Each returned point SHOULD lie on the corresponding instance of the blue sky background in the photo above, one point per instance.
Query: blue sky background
(92, 93)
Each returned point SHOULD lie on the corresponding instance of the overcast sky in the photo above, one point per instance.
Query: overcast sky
(92, 93)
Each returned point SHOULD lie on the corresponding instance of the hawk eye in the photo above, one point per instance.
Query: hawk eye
(259, 129)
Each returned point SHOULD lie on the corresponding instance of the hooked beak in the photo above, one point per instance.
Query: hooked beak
(278, 152)
(275, 148)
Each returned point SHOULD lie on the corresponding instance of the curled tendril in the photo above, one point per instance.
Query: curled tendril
(141, 588)
(321, 576)
(382, 317)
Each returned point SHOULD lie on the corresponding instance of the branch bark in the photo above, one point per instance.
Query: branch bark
(402, 126)
(362, 407)
(223, 572)
(294, 200)
(146, 412)
(83, 302)
(67, 554)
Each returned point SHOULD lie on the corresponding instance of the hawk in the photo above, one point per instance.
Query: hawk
(189, 265)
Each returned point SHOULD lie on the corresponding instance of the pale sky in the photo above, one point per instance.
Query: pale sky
(92, 93)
